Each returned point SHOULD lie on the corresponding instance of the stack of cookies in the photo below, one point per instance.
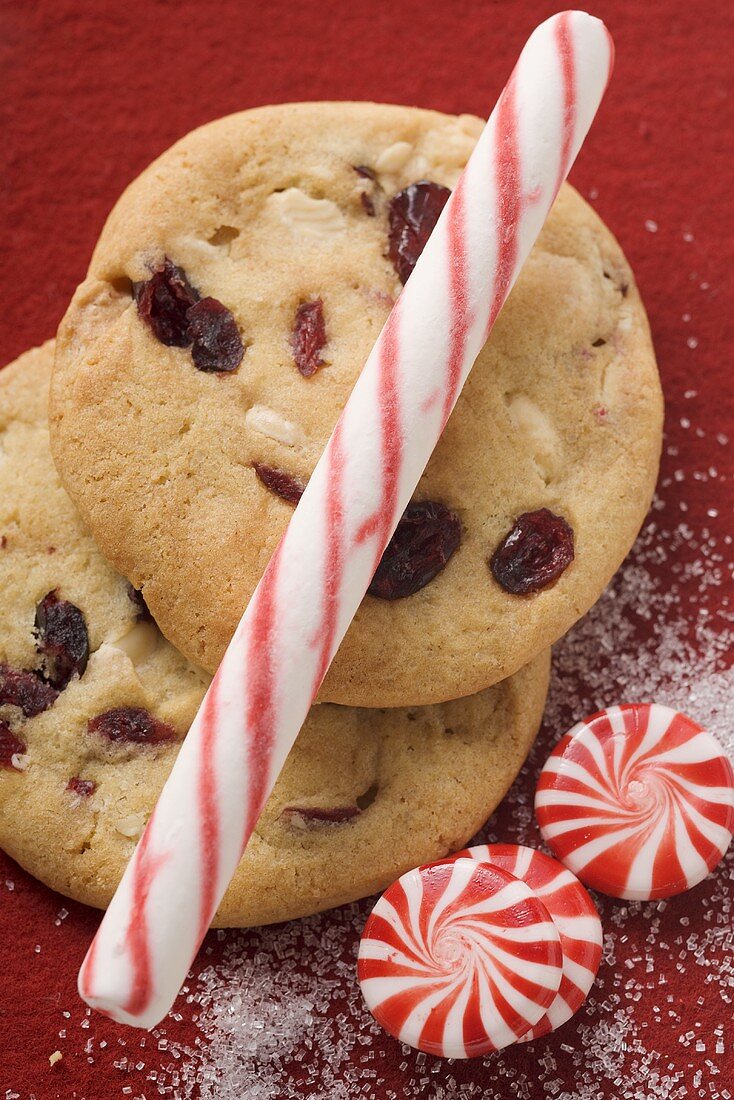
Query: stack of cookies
(231, 301)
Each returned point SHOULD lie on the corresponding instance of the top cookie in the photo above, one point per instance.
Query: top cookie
(165, 406)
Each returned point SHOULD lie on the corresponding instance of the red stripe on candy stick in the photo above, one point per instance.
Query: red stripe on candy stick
(508, 184)
(137, 939)
(392, 437)
(564, 40)
(208, 808)
(262, 683)
(459, 308)
(335, 554)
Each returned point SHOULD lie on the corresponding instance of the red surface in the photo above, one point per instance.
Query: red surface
(90, 93)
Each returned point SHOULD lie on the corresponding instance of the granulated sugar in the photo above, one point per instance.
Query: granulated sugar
(279, 1011)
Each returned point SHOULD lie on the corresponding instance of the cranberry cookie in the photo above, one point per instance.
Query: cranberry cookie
(94, 703)
(233, 297)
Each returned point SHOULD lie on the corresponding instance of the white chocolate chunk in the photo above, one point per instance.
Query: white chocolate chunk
(419, 166)
(314, 217)
(139, 642)
(625, 319)
(20, 761)
(394, 157)
(270, 423)
(186, 245)
(132, 825)
(449, 148)
(532, 422)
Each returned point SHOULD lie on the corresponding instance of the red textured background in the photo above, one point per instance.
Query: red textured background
(90, 93)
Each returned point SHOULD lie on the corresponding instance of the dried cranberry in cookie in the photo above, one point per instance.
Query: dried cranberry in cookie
(304, 817)
(534, 553)
(11, 747)
(216, 342)
(20, 687)
(309, 337)
(412, 215)
(279, 482)
(424, 540)
(84, 788)
(132, 725)
(62, 639)
(164, 301)
(179, 317)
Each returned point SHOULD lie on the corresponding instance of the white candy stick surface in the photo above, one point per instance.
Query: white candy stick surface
(321, 570)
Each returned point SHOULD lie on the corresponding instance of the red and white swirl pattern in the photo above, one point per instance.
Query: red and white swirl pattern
(574, 915)
(363, 482)
(638, 801)
(459, 959)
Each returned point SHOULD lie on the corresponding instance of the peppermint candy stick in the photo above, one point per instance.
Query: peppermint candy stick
(320, 572)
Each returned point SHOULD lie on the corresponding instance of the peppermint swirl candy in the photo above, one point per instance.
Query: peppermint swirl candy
(459, 959)
(638, 801)
(574, 915)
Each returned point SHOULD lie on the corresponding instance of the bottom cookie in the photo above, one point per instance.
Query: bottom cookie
(94, 702)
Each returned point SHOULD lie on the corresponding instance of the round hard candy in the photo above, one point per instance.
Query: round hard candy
(459, 959)
(638, 801)
(573, 913)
